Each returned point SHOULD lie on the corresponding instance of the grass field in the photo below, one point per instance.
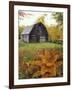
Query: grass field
(37, 46)
(37, 60)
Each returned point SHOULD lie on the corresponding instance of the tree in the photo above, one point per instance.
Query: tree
(21, 28)
(41, 19)
(58, 16)
(54, 33)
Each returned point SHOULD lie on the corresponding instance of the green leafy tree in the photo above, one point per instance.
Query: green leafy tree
(58, 16)
(21, 28)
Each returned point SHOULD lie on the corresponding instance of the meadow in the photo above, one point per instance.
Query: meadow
(40, 60)
(36, 46)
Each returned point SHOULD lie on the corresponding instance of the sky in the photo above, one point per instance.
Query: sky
(28, 18)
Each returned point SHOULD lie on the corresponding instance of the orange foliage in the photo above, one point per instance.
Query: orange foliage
(47, 63)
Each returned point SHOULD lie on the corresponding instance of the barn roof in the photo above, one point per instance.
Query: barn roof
(27, 30)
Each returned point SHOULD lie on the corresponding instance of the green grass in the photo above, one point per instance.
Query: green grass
(37, 46)
(28, 50)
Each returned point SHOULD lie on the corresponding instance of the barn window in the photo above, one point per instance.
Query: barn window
(40, 29)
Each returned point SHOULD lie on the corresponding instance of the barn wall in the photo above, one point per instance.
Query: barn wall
(25, 38)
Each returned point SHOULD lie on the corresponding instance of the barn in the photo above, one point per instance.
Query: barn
(35, 33)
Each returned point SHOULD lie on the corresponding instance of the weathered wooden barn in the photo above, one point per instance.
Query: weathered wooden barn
(35, 33)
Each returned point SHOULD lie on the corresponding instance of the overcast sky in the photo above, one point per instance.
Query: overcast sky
(28, 18)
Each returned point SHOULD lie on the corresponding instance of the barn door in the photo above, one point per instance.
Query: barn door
(42, 38)
(38, 38)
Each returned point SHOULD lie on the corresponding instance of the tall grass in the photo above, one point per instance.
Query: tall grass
(37, 46)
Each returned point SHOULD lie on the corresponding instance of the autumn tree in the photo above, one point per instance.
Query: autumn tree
(58, 16)
(42, 19)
